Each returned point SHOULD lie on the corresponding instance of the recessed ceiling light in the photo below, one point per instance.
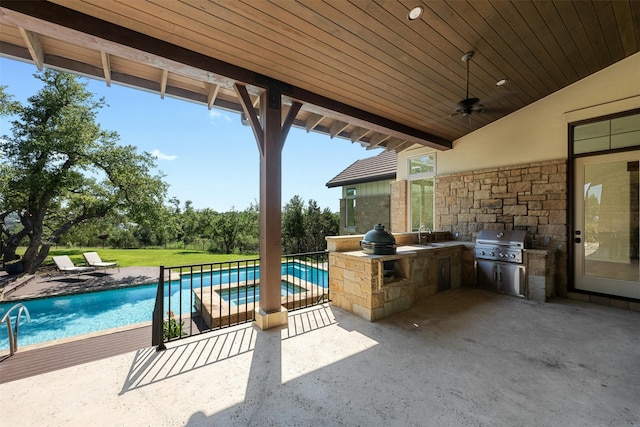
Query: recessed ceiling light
(501, 82)
(415, 13)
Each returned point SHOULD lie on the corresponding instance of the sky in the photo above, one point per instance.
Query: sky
(207, 156)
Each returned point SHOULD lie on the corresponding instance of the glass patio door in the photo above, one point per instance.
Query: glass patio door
(607, 220)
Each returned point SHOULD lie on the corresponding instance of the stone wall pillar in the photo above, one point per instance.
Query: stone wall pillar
(399, 207)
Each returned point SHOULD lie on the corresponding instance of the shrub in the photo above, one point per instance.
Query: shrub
(171, 328)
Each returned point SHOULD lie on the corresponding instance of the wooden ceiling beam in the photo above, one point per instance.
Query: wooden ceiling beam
(80, 34)
(312, 121)
(392, 145)
(32, 41)
(337, 127)
(106, 67)
(403, 146)
(163, 83)
(212, 94)
(338, 111)
(358, 134)
(378, 139)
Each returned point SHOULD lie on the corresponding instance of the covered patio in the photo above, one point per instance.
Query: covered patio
(402, 76)
(464, 357)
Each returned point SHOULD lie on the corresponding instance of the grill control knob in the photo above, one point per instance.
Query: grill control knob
(513, 255)
(492, 254)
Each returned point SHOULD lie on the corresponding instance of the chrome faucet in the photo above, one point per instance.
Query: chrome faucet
(428, 230)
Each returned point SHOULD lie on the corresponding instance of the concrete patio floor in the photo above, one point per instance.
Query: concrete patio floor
(461, 358)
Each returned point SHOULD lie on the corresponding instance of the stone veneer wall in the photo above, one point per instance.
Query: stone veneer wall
(370, 210)
(399, 206)
(530, 197)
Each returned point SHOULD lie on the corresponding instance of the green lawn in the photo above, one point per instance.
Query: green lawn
(146, 257)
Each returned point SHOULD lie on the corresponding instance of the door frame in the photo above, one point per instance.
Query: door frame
(571, 208)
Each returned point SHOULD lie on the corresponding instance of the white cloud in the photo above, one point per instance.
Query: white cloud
(215, 114)
(160, 155)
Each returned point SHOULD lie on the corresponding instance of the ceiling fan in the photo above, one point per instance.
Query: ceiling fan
(468, 105)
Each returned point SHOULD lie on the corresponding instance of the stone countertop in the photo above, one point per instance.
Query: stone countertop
(398, 255)
(407, 251)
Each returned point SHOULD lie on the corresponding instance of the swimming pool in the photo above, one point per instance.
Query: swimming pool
(66, 316)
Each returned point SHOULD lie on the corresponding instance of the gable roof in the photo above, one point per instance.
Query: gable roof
(378, 168)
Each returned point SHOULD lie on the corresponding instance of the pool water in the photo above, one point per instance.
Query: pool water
(66, 316)
(250, 294)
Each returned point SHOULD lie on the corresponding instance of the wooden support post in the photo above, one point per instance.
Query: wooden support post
(271, 202)
(270, 132)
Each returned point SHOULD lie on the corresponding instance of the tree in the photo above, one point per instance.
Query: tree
(227, 228)
(314, 227)
(293, 230)
(249, 240)
(304, 228)
(330, 223)
(91, 233)
(59, 169)
(319, 224)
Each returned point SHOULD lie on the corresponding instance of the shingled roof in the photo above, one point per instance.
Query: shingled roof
(378, 168)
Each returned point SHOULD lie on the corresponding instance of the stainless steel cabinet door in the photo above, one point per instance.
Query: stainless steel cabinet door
(511, 279)
(487, 275)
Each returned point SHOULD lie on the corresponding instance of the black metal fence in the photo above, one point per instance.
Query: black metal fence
(193, 299)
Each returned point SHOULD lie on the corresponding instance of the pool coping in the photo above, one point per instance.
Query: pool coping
(45, 285)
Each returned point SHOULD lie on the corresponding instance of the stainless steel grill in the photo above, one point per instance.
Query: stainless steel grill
(499, 261)
(506, 246)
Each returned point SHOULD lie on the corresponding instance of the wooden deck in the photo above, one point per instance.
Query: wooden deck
(27, 363)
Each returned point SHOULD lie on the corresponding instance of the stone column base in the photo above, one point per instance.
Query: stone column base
(266, 321)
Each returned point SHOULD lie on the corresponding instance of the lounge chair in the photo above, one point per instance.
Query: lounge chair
(65, 265)
(94, 260)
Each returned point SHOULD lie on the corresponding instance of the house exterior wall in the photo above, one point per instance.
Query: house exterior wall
(370, 211)
(375, 188)
(372, 207)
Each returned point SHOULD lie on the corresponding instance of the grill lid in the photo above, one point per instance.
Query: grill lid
(379, 237)
(512, 238)
(378, 242)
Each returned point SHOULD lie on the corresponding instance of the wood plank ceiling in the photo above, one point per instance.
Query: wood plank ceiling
(362, 70)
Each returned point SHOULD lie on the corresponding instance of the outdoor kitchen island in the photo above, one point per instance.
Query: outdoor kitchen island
(358, 283)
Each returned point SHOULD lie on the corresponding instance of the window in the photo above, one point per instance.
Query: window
(604, 135)
(421, 190)
(423, 164)
(350, 220)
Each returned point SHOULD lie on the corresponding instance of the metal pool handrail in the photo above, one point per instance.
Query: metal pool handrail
(13, 334)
